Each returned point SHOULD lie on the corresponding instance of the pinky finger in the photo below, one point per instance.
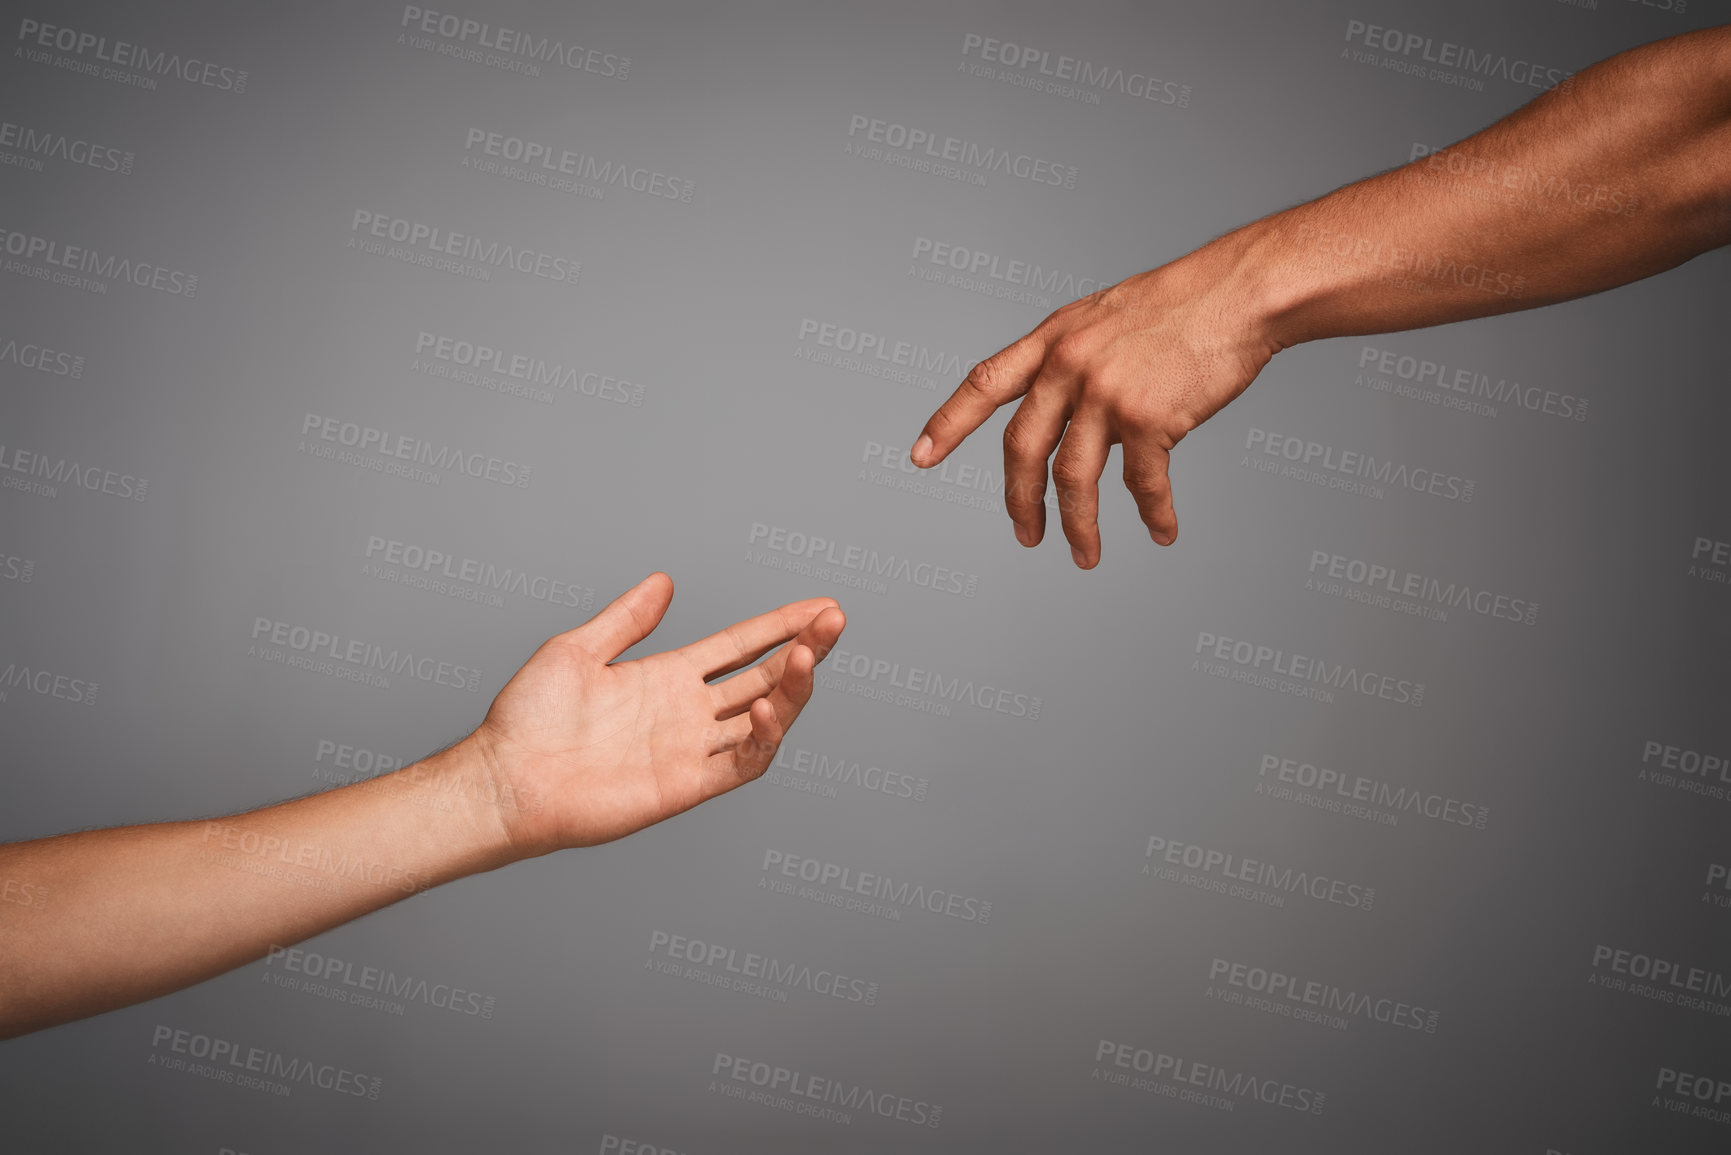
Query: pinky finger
(755, 753)
(1148, 478)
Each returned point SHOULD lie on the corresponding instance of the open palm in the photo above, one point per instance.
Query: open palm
(588, 749)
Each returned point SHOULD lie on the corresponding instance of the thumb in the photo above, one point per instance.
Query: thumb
(628, 618)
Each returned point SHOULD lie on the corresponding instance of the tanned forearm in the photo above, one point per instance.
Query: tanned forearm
(1621, 172)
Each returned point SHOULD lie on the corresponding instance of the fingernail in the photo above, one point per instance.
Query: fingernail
(1079, 557)
(1023, 533)
(922, 448)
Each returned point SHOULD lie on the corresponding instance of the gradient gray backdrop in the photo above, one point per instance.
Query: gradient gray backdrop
(706, 408)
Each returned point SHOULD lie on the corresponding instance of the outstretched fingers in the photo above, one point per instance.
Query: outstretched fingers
(742, 643)
(770, 717)
(748, 740)
(998, 379)
(735, 695)
(746, 743)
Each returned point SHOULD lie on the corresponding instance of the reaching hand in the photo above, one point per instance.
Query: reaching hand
(1143, 363)
(613, 747)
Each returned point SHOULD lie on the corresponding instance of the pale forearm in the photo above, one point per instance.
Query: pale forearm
(1622, 172)
(105, 918)
(580, 747)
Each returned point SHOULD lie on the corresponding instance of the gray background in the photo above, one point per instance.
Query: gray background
(701, 304)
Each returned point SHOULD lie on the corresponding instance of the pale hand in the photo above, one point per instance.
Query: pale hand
(588, 749)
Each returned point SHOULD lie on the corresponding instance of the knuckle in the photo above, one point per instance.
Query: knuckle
(1021, 442)
(1069, 353)
(1147, 413)
(986, 378)
(1070, 474)
(1148, 480)
(1140, 421)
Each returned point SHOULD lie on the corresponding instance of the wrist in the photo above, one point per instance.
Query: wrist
(1253, 287)
(462, 786)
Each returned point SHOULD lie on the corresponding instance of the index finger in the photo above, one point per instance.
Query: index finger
(743, 643)
(1002, 377)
